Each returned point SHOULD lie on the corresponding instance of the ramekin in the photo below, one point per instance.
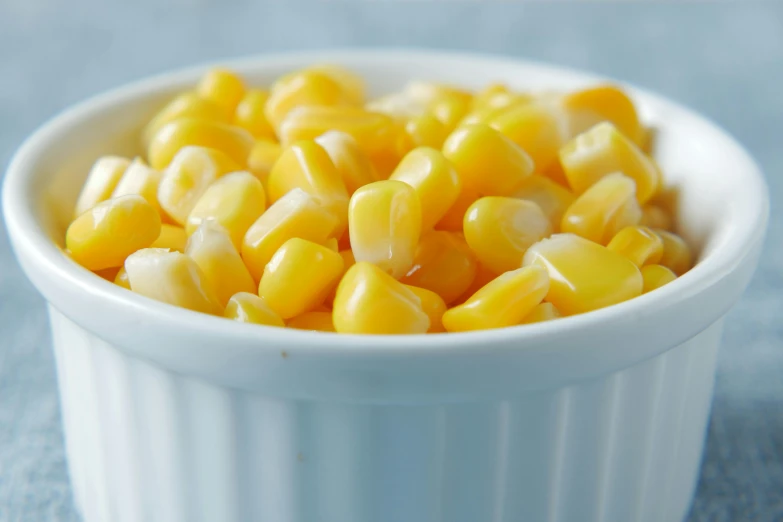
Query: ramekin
(174, 416)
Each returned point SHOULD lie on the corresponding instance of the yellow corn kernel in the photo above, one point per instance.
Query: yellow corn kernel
(171, 237)
(654, 216)
(109, 274)
(450, 109)
(188, 177)
(603, 103)
(112, 230)
(486, 161)
(263, 157)
(603, 210)
(171, 277)
(454, 217)
(234, 201)
(103, 178)
(305, 88)
(221, 87)
(584, 275)
(444, 264)
(348, 262)
(499, 230)
(556, 173)
(655, 276)
(433, 306)
(351, 162)
(504, 301)
(426, 131)
(299, 277)
(121, 279)
(489, 96)
(370, 301)
(541, 313)
(552, 198)
(297, 214)
(141, 180)
(433, 178)
(234, 142)
(315, 321)
(484, 115)
(384, 223)
(537, 128)
(676, 252)
(603, 150)
(398, 105)
(352, 84)
(429, 93)
(639, 244)
(250, 114)
(332, 244)
(186, 105)
(483, 276)
(245, 307)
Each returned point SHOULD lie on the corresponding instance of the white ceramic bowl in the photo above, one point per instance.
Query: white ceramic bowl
(179, 417)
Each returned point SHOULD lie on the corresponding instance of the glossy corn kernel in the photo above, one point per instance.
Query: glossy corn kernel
(108, 233)
(504, 301)
(250, 115)
(297, 214)
(352, 84)
(221, 87)
(234, 142)
(454, 217)
(103, 178)
(171, 237)
(314, 321)
(187, 105)
(171, 277)
(235, 201)
(263, 157)
(187, 178)
(245, 307)
(603, 210)
(639, 244)
(351, 162)
(541, 313)
(655, 276)
(370, 301)
(603, 150)
(603, 103)
(433, 306)
(676, 252)
(654, 216)
(483, 276)
(536, 128)
(584, 275)
(384, 222)
(305, 88)
(553, 199)
(489, 95)
(450, 109)
(398, 105)
(141, 180)
(433, 178)
(499, 230)
(121, 279)
(486, 161)
(426, 131)
(299, 277)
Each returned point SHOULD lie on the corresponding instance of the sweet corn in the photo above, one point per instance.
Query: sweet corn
(234, 142)
(654, 216)
(498, 96)
(433, 306)
(305, 88)
(187, 105)
(141, 180)
(245, 307)
(351, 162)
(221, 87)
(603, 150)
(299, 277)
(556, 173)
(211, 248)
(171, 277)
(398, 105)
(315, 321)
(235, 201)
(450, 109)
(426, 131)
(603, 103)
(263, 157)
(454, 217)
(121, 279)
(541, 313)
(504, 301)
(384, 222)
(499, 230)
(483, 276)
(171, 237)
(297, 214)
(109, 274)
(103, 178)
(552, 199)
(250, 115)
(332, 244)
(584, 275)
(111, 231)
(486, 161)
(352, 84)
(537, 128)
(676, 252)
(655, 276)
(370, 301)
(639, 244)
(348, 262)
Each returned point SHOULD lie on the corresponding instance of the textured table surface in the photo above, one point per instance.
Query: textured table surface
(723, 59)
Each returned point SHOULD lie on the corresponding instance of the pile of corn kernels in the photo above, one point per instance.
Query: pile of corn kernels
(433, 209)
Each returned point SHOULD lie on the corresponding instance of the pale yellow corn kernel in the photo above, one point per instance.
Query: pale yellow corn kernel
(603, 210)
(430, 93)
(221, 87)
(263, 157)
(370, 301)
(351, 162)
(235, 201)
(603, 103)
(487, 162)
(454, 217)
(655, 276)
(499, 230)
(314, 321)
(537, 128)
(398, 105)
(552, 198)
(584, 275)
(384, 223)
(297, 214)
(676, 252)
(211, 248)
(484, 116)
(487, 96)
(433, 178)
(433, 306)
(426, 131)
(443, 264)
(541, 313)
(450, 109)
(171, 277)
(234, 142)
(109, 274)
(639, 244)
(121, 279)
(171, 237)
(141, 180)
(305, 88)
(103, 178)
(250, 114)
(483, 276)
(245, 307)
(504, 301)
(112, 230)
(352, 84)
(299, 277)
(187, 178)
(603, 150)
(654, 216)
(187, 105)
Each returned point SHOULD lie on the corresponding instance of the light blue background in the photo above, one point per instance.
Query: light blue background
(723, 59)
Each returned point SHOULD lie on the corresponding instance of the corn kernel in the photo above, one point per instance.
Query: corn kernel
(171, 277)
(351, 162)
(483, 276)
(556, 173)
(601, 151)
(450, 109)
(352, 84)
(221, 87)
(504, 301)
(384, 222)
(536, 128)
(332, 244)
(187, 105)
(171, 237)
(109, 274)
(655, 276)
(245, 307)
(654, 216)
(499, 230)
(315, 321)
(121, 279)
(584, 275)
(454, 217)
(305, 88)
(263, 157)
(105, 235)
(103, 178)
(639, 244)
(486, 161)
(398, 105)
(234, 142)
(603, 103)
(348, 262)
(141, 180)
(541, 313)
(676, 252)
(370, 301)
(250, 114)
(426, 131)
(553, 199)
(433, 306)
